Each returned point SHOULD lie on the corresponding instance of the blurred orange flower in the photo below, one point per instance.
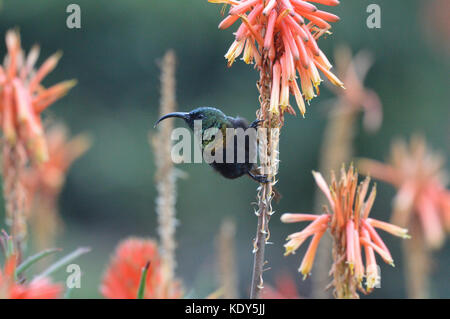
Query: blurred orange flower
(420, 178)
(351, 229)
(44, 182)
(47, 179)
(23, 98)
(123, 275)
(284, 288)
(356, 97)
(286, 32)
(434, 15)
(40, 288)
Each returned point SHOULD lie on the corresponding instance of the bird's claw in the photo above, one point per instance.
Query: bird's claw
(256, 123)
(260, 178)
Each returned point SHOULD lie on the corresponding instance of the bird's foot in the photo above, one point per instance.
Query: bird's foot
(260, 178)
(256, 123)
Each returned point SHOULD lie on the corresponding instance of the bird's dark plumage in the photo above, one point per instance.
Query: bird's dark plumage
(214, 119)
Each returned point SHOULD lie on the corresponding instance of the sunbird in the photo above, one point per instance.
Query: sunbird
(215, 119)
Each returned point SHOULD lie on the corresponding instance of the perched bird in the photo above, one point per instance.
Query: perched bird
(213, 120)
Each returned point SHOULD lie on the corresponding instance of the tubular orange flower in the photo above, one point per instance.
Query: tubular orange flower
(123, 275)
(351, 230)
(40, 288)
(286, 31)
(419, 176)
(23, 98)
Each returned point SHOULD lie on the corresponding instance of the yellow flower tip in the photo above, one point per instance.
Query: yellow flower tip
(57, 55)
(372, 277)
(54, 59)
(274, 110)
(11, 137)
(304, 272)
(371, 282)
(405, 234)
(352, 267)
(289, 251)
(68, 85)
(40, 152)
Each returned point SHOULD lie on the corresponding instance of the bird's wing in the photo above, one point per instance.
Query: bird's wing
(238, 122)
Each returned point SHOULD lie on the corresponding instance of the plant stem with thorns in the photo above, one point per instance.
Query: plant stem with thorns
(268, 152)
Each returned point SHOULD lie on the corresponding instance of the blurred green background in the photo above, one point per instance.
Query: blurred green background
(110, 192)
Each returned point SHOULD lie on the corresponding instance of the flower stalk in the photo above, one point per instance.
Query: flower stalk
(226, 260)
(268, 154)
(14, 163)
(165, 173)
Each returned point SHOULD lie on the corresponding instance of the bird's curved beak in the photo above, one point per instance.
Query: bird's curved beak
(183, 115)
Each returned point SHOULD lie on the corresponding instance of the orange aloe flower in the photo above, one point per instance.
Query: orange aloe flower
(285, 31)
(420, 179)
(39, 288)
(352, 231)
(23, 98)
(123, 275)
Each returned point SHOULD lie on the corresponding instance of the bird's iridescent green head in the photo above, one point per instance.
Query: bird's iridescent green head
(210, 117)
